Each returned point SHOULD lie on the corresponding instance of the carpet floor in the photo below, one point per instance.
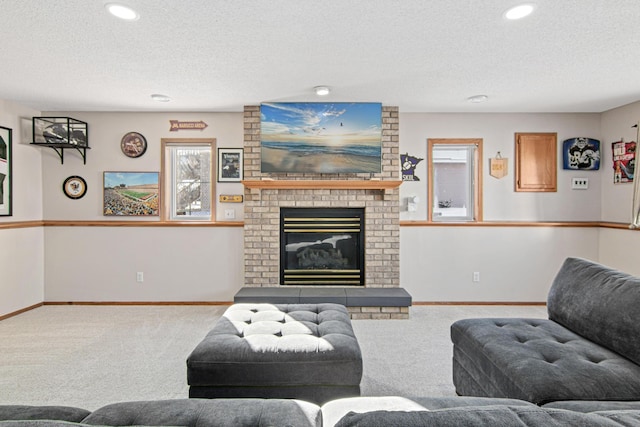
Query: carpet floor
(90, 356)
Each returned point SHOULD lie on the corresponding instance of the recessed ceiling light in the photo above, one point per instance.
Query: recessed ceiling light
(476, 99)
(322, 90)
(160, 98)
(122, 11)
(520, 11)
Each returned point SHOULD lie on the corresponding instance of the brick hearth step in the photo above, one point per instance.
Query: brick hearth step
(349, 297)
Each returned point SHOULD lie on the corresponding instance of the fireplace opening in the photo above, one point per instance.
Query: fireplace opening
(322, 246)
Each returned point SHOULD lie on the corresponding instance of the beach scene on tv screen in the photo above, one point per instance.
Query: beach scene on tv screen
(334, 137)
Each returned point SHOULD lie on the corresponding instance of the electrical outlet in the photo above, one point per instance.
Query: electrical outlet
(139, 276)
(229, 213)
(579, 183)
(476, 276)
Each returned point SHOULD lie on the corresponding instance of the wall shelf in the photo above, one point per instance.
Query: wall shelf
(291, 184)
(61, 133)
(59, 148)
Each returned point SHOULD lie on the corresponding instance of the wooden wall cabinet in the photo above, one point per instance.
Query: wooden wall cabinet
(536, 162)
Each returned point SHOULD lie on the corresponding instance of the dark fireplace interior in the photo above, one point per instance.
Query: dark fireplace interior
(322, 246)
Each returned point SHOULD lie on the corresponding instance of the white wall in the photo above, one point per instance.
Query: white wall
(616, 198)
(105, 132)
(501, 202)
(618, 248)
(100, 263)
(178, 263)
(92, 263)
(22, 249)
(516, 264)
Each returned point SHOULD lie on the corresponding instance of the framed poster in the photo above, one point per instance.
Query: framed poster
(230, 164)
(310, 137)
(131, 193)
(581, 154)
(624, 161)
(6, 203)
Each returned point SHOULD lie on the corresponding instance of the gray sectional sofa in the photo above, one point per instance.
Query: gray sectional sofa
(587, 350)
(346, 412)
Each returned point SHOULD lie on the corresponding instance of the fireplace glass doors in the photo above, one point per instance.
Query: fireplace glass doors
(322, 247)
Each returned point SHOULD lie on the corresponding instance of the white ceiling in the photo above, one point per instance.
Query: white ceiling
(420, 55)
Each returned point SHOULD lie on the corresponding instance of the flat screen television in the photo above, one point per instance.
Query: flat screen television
(311, 137)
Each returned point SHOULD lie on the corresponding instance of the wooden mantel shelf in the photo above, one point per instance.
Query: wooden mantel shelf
(291, 184)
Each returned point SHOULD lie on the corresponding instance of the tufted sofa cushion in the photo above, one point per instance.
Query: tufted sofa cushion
(35, 412)
(306, 351)
(206, 412)
(491, 416)
(599, 303)
(537, 360)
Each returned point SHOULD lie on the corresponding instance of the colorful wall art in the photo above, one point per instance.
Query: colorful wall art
(321, 137)
(624, 161)
(581, 154)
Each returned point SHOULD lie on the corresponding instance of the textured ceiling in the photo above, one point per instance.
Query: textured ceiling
(421, 55)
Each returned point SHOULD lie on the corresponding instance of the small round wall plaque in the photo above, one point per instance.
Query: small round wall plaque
(133, 144)
(74, 187)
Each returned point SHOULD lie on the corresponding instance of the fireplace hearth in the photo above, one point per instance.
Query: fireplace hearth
(322, 246)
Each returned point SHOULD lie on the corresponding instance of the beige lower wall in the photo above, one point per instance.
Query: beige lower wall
(516, 264)
(179, 263)
(620, 249)
(21, 268)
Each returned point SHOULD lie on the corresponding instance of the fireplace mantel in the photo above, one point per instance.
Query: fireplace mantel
(292, 184)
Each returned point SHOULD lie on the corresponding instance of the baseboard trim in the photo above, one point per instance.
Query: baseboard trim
(479, 303)
(137, 303)
(15, 313)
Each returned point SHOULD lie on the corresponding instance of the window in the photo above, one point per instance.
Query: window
(455, 179)
(187, 167)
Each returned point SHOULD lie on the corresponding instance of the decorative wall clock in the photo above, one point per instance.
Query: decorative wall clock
(74, 187)
(133, 144)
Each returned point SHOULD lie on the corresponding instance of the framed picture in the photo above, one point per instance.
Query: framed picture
(131, 194)
(230, 164)
(74, 187)
(133, 144)
(581, 154)
(309, 137)
(624, 161)
(6, 203)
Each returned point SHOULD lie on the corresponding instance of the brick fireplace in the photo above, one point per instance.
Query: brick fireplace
(377, 194)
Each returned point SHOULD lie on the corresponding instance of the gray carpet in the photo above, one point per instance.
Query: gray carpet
(89, 356)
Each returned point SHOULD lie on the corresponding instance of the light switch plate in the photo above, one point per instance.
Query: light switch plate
(579, 183)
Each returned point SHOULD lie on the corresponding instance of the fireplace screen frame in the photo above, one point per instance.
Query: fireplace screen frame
(323, 221)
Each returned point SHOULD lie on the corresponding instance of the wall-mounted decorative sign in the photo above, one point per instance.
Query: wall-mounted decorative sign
(409, 164)
(230, 164)
(316, 137)
(581, 154)
(624, 161)
(176, 125)
(498, 166)
(131, 193)
(133, 144)
(6, 204)
(231, 198)
(74, 187)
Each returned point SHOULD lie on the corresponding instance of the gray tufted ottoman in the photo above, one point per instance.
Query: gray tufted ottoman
(301, 351)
